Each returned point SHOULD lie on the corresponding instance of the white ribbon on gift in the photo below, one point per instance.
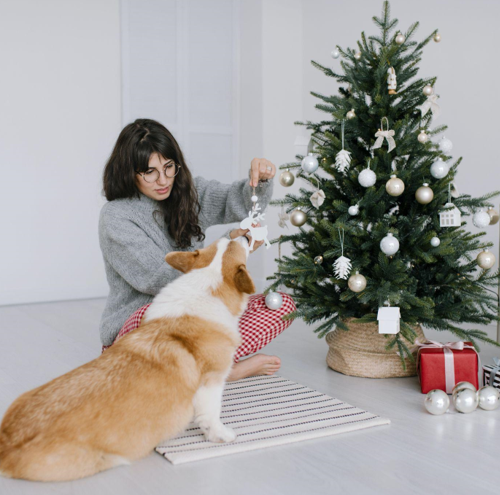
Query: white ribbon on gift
(387, 134)
(494, 371)
(431, 104)
(449, 360)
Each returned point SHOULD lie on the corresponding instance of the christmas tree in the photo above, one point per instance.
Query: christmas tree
(380, 201)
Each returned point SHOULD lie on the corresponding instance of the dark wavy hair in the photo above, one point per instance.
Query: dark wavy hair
(133, 149)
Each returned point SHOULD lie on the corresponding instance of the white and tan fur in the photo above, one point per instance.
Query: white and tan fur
(144, 389)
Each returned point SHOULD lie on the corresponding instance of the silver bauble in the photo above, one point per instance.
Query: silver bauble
(309, 164)
(460, 385)
(274, 300)
(493, 215)
(350, 114)
(489, 398)
(389, 245)
(318, 260)
(422, 137)
(357, 55)
(424, 194)
(485, 259)
(357, 282)
(465, 400)
(439, 169)
(367, 177)
(335, 53)
(437, 37)
(287, 178)
(437, 402)
(427, 90)
(445, 145)
(400, 39)
(395, 186)
(298, 217)
(435, 241)
(481, 219)
(353, 210)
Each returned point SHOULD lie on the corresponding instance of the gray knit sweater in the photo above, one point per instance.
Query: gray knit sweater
(134, 244)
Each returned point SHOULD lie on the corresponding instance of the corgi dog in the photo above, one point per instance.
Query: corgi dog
(145, 388)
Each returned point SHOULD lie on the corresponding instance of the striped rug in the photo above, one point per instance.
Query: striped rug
(270, 410)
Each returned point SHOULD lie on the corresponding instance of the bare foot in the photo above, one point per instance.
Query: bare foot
(260, 364)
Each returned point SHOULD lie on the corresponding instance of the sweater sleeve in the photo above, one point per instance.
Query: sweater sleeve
(228, 203)
(134, 255)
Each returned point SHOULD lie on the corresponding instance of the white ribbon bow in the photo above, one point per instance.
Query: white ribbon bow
(317, 198)
(389, 135)
(431, 104)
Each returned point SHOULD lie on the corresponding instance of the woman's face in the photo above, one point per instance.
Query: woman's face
(161, 188)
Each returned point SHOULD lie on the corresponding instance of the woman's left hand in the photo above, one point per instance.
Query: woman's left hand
(261, 169)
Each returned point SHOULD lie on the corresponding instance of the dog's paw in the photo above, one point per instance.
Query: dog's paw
(220, 434)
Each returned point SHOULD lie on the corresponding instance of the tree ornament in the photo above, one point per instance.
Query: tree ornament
(387, 134)
(399, 39)
(309, 163)
(422, 137)
(274, 300)
(489, 398)
(427, 90)
(493, 215)
(250, 223)
(356, 282)
(395, 186)
(445, 145)
(435, 241)
(287, 178)
(431, 104)
(439, 169)
(450, 215)
(351, 114)
(437, 402)
(460, 385)
(465, 400)
(298, 217)
(367, 177)
(353, 210)
(424, 194)
(389, 245)
(283, 218)
(317, 198)
(335, 53)
(437, 37)
(343, 157)
(485, 259)
(357, 55)
(254, 198)
(318, 260)
(481, 219)
(389, 320)
(391, 81)
(342, 265)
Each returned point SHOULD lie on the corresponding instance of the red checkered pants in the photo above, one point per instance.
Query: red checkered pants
(258, 324)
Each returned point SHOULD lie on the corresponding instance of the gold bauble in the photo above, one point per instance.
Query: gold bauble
(424, 194)
(287, 178)
(395, 186)
(422, 137)
(318, 260)
(437, 37)
(400, 39)
(493, 215)
(298, 217)
(485, 259)
(357, 282)
(357, 55)
(351, 114)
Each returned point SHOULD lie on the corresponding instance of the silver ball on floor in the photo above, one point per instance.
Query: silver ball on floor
(274, 300)
(489, 398)
(437, 402)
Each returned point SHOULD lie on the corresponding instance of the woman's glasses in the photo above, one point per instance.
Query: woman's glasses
(170, 170)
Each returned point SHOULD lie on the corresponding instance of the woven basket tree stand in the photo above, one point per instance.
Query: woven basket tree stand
(361, 352)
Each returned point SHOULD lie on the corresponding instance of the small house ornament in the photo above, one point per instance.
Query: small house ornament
(388, 320)
(450, 216)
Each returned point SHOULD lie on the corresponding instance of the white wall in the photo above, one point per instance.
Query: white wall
(59, 118)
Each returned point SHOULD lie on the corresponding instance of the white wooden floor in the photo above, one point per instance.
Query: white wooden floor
(418, 453)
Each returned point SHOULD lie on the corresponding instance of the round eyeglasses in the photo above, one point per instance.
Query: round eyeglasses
(152, 174)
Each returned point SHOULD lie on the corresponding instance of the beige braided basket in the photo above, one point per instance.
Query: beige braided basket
(361, 352)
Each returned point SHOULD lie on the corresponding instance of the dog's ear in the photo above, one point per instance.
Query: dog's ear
(182, 260)
(243, 281)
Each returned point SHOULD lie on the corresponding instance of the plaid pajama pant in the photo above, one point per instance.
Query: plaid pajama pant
(258, 324)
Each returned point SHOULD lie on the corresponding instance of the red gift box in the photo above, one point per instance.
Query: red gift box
(435, 360)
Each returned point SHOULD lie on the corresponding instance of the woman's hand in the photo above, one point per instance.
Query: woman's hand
(261, 169)
(246, 232)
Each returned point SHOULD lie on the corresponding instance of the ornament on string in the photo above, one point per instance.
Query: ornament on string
(439, 169)
(309, 163)
(250, 223)
(335, 53)
(435, 241)
(367, 177)
(274, 300)
(437, 402)
(485, 259)
(356, 282)
(445, 145)
(287, 178)
(437, 37)
(350, 114)
(431, 104)
(395, 186)
(342, 265)
(353, 210)
(298, 217)
(318, 197)
(343, 157)
(382, 134)
(493, 215)
(422, 137)
(389, 245)
(481, 219)
(399, 39)
(391, 80)
(450, 215)
(283, 218)
(424, 194)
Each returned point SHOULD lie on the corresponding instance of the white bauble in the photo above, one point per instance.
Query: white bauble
(389, 245)
(427, 90)
(335, 53)
(274, 300)
(353, 210)
(310, 164)
(437, 37)
(356, 282)
(485, 259)
(422, 137)
(460, 386)
(445, 145)
(437, 402)
(439, 169)
(435, 242)
(481, 219)
(400, 39)
(466, 400)
(367, 177)
(395, 186)
(424, 194)
(489, 398)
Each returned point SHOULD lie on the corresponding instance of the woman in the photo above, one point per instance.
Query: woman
(154, 207)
